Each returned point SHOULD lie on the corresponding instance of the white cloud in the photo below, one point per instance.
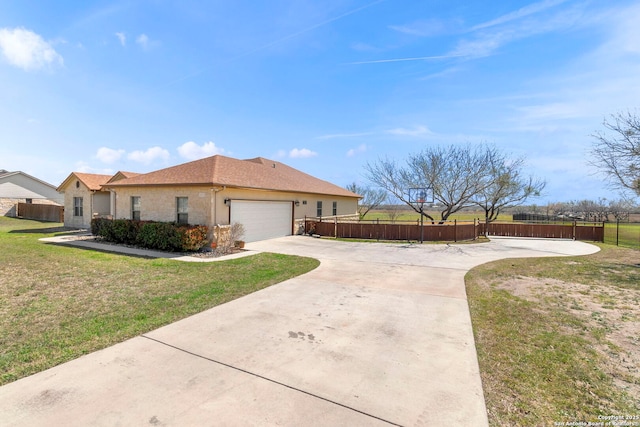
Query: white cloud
(416, 131)
(27, 50)
(143, 41)
(192, 151)
(484, 45)
(122, 37)
(360, 149)
(148, 156)
(109, 155)
(422, 28)
(84, 167)
(302, 153)
(623, 24)
(523, 23)
(520, 13)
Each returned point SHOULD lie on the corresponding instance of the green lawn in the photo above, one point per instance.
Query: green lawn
(557, 337)
(59, 302)
(625, 235)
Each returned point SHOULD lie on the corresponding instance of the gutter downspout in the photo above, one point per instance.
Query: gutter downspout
(214, 207)
(93, 193)
(112, 203)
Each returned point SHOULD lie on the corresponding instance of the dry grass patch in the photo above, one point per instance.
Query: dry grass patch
(558, 338)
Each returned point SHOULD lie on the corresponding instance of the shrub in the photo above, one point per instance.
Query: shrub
(99, 226)
(164, 236)
(193, 237)
(160, 235)
(126, 231)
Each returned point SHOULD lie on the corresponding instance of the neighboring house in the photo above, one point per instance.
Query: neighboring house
(19, 187)
(265, 196)
(84, 198)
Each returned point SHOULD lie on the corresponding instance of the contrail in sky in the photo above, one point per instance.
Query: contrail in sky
(421, 58)
(287, 37)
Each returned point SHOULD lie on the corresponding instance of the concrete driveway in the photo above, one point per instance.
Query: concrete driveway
(377, 335)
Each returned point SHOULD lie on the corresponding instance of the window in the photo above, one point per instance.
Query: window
(29, 201)
(182, 204)
(335, 208)
(319, 208)
(77, 206)
(135, 208)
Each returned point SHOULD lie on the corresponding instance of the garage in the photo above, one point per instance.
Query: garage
(263, 220)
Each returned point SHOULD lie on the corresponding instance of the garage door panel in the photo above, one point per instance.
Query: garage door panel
(262, 220)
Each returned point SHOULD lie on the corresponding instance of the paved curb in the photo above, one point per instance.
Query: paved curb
(145, 253)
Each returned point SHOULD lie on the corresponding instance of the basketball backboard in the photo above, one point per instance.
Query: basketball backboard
(421, 195)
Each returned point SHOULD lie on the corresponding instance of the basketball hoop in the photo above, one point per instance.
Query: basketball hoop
(421, 195)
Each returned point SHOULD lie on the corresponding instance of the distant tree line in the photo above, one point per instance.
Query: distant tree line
(584, 210)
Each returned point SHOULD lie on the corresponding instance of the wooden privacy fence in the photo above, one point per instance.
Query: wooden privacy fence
(589, 232)
(40, 212)
(448, 231)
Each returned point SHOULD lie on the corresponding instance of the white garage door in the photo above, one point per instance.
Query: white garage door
(262, 220)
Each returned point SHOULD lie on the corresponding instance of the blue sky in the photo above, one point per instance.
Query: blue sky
(324, 86)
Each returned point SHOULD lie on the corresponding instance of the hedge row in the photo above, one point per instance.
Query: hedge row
(165, 236)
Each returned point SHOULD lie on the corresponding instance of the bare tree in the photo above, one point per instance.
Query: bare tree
(506, 187)
(454, 174)
(591, 210)
(371, 198)
(564, 209)
(394, 210)
(617, 152)
(620, 209)
(459, 176)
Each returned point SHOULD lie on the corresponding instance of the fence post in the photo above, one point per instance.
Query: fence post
(573, 231)
(455, 230)
(335, 227)
(618, 232)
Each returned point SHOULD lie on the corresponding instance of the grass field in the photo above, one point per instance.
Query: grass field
(409, 215)
(624, 234)
(558, 338)
(58, 302)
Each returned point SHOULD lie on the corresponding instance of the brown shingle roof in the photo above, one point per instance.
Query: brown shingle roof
(93, 181)
(122, 175)
(258, 173)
